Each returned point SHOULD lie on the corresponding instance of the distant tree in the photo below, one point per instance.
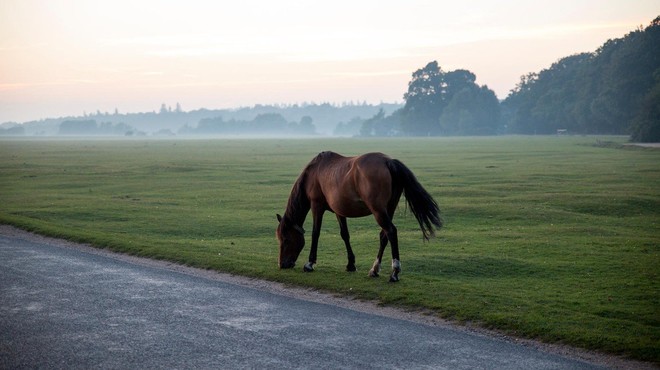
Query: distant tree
(17, 130)
(80, 127)
(424, 101)
(306, 126)
(472, 110)
(215, 125)
(646, 126)
(603, 92)
(267, 123)
(368, 126)
(542, 102)
(350, 128)
(91, 128)
(456, 81)
(451, 103)
(121, 129)
(382, 125)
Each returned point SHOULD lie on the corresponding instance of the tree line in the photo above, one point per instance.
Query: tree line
(614, 90)
(298, 119)
(91, 128)
(263, 124)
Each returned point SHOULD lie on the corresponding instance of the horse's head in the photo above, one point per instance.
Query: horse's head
(292, 241)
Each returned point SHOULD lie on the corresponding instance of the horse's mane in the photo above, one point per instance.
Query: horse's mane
(298, 204)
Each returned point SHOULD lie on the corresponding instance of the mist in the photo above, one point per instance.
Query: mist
(307, 119)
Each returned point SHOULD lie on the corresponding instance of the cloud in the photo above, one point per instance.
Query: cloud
(153, 73)
(28, 85)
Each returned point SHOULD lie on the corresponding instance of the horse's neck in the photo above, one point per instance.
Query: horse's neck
(297, 214)
(298, 207)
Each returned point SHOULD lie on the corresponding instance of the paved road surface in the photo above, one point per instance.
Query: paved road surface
(63, 307)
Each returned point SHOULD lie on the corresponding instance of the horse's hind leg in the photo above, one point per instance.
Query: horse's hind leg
(396, 262)
(343, 227)
(392, 236)
(375, 269)
(390, 233)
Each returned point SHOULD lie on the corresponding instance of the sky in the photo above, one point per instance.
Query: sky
(67, 57)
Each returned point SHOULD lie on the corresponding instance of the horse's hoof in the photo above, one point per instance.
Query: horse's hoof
(373, 274)
(308, 267)
(394, 279)
(351, 268)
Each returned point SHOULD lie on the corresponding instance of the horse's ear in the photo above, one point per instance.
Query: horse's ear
(279, 218)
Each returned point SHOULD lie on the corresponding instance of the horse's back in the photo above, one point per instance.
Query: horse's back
(352, 186)
(372, 161)
(373, 178)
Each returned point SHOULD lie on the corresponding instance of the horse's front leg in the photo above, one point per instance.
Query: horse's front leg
(317, 215)
(343, 229)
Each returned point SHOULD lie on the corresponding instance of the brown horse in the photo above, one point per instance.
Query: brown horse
(352, 187)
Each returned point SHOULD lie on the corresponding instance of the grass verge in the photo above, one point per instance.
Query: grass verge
(551, 238)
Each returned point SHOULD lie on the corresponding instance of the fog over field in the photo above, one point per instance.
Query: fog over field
(123, 125)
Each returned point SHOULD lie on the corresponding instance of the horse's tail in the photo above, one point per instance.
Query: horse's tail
(420, 202)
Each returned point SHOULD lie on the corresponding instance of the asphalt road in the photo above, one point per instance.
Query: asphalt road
(63, 307)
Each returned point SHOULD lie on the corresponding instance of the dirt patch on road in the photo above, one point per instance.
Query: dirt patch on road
(371, 307)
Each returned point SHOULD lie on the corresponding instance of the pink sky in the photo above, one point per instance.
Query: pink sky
(61, 58)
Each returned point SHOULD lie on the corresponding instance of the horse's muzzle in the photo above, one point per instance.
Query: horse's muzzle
(287, 264)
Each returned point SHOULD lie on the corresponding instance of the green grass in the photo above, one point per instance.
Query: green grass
(552, 238)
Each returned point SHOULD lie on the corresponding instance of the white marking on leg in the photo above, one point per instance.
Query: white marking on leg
(375, 269)
(396, 269)
(376, 266)
(396, 265)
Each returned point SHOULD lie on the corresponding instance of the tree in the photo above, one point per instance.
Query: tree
(367, 128)
(382, 125)
(78, 127)
(473, 110)
(451, 103)
(456, 81)
(17, 130)
(306, 126)
(604, 92)
(424, 101)
(350, 128)
(542, 102)
(646, 126)
(268, 123)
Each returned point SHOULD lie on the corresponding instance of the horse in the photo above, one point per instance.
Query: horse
(357, 186)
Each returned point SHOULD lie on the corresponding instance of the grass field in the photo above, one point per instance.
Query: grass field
(552, 238)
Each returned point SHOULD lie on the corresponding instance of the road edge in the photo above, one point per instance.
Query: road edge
(313, 295)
